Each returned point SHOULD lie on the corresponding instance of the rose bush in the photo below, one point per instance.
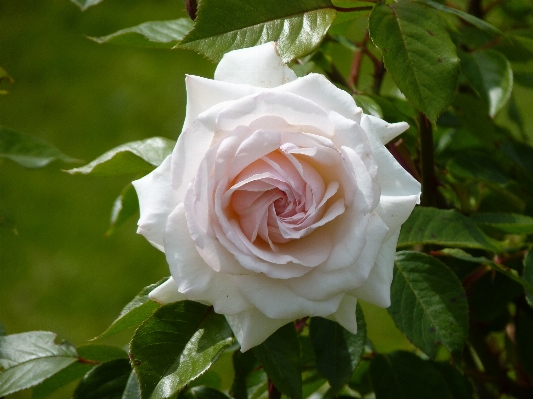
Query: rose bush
(279, 201)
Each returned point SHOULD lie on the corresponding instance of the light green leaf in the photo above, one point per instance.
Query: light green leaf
(29, 151)
(524, 37)
(428, 303)
(491, 76)
(125, 206)
(369, 106)
(510, 273)
(404, 375)
(175, 345)
(298, 26)
(202, 393)
(528, 275)
(510, 223)
(337, 350)
(29, 358)
(135, 312)
(85, 4)
(132, 389)
(280, 357)
(418, 53)
(159, 34)
(478, 23)
(448, 228)
(134, 157)
(107, 380)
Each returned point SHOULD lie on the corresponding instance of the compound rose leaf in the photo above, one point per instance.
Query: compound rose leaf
(178, 343)
(337, 350)
(297, 26)
(418, 53)
(159, 34)
(428, 303)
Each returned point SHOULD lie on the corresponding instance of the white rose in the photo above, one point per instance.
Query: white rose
(279, 201)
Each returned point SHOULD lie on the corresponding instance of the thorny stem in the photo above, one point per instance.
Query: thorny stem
(429, 191)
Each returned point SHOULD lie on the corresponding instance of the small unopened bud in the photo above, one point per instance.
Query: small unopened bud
(191, 6)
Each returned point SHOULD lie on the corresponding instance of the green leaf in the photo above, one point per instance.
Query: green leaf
(476, 165)
(298, 26)
(510, 223)
(106, 381)
(428, 303)
(29, 151)
(369, 106)
(159, 34)
(418, 53)
(202, 393)
(175, 345)
(85, 4)
(6, 219)
(132, 389)
(524, 37)
(243, 364)
(337, 350)
(491, 76)
(510, 273)
(443, 227)
(522, 155)
(528, 275)
(125, 206)
(100, 353)
(280, 357)
(4, 76)
(134, 157)
(29, 358)
(478, 23)
(404, 375)
(73, 372)
(135, 312)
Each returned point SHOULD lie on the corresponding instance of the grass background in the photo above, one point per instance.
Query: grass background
(60, 273)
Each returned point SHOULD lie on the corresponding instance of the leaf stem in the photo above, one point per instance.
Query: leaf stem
(429, 193)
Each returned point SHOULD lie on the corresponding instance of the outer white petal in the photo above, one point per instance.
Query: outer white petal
(193, 276)
(376, 289)
(381, 129)
(252, 327)
(345, 315)
(157, 199)
(395, 210)
(259, 66)
(167, 292)
(318, 89)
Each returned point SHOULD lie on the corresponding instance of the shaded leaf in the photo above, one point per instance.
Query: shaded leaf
(202, 392)
(29, 151)
(404, 375)
(418, 53)
(4, 76)
(428, 303)
(524, 343)
(73, 372)
(443, 227)
(528, 275)
(100, 353)
(160, 34)
(29, 358)
(522, 155)
(135, 312)
(369, 106)
(85, 4)
(523, 37)
(6, 219)
(134, 157)
(510, 223)
(125, 206)
(476, 165)
(243, 364)
(491, 76)
(280, 357)
(337, 350)
(106, 381)
(510, 273)
(132, 389)
(298, 26)
(175, 345)
(478, 23)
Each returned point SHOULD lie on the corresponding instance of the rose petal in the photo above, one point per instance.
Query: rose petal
(258, 66)
(395, 210)
(252, 327)
(157, 199)
(346, 314)
(167, 293)
(381, 129)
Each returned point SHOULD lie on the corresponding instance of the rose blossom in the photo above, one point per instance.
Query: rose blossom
(279, 200)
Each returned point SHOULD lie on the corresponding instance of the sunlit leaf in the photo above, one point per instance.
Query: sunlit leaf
(84, 4)
(175, 345)
(29, 151)
(297, 26)
(418, 53)
(428, 303)
(125, 206)
(107, 380)
(134, 157)
(280, 357)
(491, 76)
(448, 228)
(161, 34)
(337, 350)
(135, 312)
(29, 358)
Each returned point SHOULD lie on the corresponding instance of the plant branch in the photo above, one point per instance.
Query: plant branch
(429, 191)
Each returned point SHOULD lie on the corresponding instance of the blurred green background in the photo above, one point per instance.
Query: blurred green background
(60, 273)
